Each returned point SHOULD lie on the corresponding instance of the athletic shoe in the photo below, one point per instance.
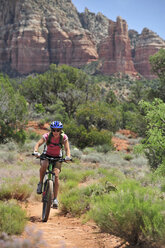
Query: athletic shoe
(39, 188)
(55, 203)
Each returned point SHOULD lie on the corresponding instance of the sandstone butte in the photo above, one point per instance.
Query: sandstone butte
(34, 34)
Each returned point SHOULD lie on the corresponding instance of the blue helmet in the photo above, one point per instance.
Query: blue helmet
(56, 124)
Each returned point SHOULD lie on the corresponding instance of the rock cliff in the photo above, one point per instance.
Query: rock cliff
(115, 50)
(143, 46)
(36, 33)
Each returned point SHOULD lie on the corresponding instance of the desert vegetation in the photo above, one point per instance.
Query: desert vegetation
(123, 192)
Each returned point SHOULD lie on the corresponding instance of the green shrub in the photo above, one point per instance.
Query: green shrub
(70, 184)
(74, 202)
(13, 114)
(102, 137)
(33, 135)
(100, 115)
(15, 191)
(8, 157)
(82, 137)
(128, 157)
(160, 171)
(154, 143)
(39, 108)
(104, 148)
(133, 212)
(11, 146)
(88, 150)
(113, 175)
(88, 174)
(76, 153)
(12, 218)
(70, 174)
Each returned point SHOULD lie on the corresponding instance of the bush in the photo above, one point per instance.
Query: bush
(103, 148)
(128, 157)
(82, 138)
(154, 142)
(93, 158)
(12, 218)
(102, 137)
(15, 191)
(13, 112)
(33, 135)
(39, 108)
(138, 218)
(160, 171)
(70, 174)
(100, 115)
(77, 200)
(74, 202)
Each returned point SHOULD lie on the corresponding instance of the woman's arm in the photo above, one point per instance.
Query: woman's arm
(38, 144)
(67, 148)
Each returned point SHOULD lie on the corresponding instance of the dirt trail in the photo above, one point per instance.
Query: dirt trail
(61, 231)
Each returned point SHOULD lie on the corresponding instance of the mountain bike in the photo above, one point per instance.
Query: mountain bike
(48, 185)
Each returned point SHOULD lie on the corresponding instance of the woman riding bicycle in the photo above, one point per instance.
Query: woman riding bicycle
(54, 140)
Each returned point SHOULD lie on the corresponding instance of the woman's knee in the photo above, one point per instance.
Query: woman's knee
(44, 165)
(57, 172)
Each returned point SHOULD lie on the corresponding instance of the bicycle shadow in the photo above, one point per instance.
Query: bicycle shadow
(35, 219)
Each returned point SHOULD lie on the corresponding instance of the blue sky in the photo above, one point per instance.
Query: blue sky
(137, 13)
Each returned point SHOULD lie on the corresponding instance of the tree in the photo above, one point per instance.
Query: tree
(157, 62)
(138, 92)
(71, 100)
(99, 115)
(111, 98)
(132, 118)
(154, 142)
(13, 112)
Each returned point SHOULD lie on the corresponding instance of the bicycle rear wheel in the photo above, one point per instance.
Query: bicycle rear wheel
(47, 200)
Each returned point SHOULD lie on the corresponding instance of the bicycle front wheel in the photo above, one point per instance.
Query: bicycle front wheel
(47, 200)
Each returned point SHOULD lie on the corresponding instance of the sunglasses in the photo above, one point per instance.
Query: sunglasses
(56, 130)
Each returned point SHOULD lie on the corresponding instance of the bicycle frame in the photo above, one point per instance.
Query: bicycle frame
(49, 181)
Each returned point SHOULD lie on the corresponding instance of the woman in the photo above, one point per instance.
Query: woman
(54, 141)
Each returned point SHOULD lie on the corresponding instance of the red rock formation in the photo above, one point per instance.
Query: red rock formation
(34, 35)
(73, 48)
(28, 52)
(115, 51)
(148, 44)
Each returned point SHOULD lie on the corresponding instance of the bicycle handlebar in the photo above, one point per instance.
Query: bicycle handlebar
(52, 158)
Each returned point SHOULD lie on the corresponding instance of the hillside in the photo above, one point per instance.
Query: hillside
(35, 34)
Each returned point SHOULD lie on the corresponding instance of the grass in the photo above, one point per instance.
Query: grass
(138, 218)
(12, 218)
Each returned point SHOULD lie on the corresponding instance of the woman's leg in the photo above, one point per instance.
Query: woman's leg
(43, 168)
(42, 171)
(56, 185)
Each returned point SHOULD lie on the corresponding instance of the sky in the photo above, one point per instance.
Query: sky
(137, 13)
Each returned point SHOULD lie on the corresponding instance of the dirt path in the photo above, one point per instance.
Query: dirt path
(60, 231)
